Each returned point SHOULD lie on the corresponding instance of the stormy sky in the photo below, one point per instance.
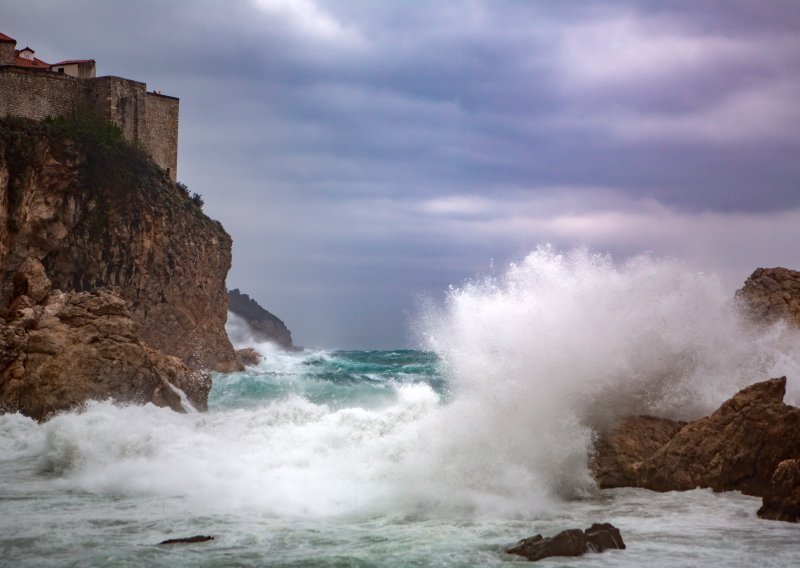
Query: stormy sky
(365, 155)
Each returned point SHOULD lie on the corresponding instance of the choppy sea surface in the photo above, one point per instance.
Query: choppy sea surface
(442, 456)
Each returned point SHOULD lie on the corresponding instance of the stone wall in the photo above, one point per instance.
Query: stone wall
(161, 133)
(7, 52)
(147, 118)
(37, 94)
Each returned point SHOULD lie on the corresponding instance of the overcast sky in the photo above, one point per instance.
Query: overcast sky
(367, 154)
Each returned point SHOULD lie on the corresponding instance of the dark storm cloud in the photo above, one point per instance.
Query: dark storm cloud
(365, 153)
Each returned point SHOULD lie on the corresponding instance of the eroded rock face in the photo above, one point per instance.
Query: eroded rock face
(621, 453)
(248, 357)
(263, 325)
(771, 294)
(72, 347)
(133, 230)
(736, 448)
(570, 543)
(782, 501)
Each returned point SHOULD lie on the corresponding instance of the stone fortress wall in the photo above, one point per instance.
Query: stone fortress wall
(151, 119)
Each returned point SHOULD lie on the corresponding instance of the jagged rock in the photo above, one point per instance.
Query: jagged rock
(264, 325)
(248, 357)
(73, 347)
(782, 501)
(124, 225)
(619, 454)
(572, 542)
(736, 448)
(771, 294)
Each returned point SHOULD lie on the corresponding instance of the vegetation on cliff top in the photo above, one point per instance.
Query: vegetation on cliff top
(113, 167)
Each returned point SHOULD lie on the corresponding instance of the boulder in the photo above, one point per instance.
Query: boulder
(72, 347)
(782, 501)
(248, 357)
(572, 542)
(736, 448)
(620, 453)
(771, 294)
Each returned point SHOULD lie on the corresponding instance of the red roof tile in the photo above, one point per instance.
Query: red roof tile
(5, 38)
(36, 63)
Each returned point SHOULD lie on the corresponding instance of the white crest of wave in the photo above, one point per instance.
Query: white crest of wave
(562, 344)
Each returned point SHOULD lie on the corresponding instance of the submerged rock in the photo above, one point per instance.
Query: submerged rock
(572, 542)
(71, 347)
(782, 501)
(187, 540)
(736, 448)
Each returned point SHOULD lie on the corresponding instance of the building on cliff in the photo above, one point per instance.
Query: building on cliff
(32, 88)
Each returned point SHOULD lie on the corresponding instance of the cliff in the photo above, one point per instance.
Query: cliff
(96, 212)
(59, 350)
(264, 326)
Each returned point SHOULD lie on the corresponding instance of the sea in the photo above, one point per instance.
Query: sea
(443, 455)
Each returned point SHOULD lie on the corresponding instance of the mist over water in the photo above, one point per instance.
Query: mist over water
(490, 426)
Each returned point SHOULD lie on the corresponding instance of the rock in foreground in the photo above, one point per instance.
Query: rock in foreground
(782, 501)
(67, 348)
(572, 542)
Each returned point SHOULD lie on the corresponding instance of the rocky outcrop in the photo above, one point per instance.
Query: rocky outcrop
(771, 294)
(571, 543)
(738, 447)
(782, 501)
(98, 213)
(264, 326)
(61, 349)
(621, 453)
(248, 357)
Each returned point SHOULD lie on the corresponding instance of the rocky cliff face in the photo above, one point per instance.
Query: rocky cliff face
(59, 350)
(263, 325)
(98, 214)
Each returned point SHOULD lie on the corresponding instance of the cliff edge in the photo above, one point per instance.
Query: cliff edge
(96, 212)
(263, 325)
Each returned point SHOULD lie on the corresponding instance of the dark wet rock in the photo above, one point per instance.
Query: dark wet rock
(782, 501)
(570, 543)
(620, 453)
(187, 540)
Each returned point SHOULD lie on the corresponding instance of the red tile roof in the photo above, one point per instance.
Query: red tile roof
(5, 38)
(36, 63)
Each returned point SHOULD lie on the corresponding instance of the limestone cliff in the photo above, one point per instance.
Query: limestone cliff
(97, 212)
(59, 350)
(264, 326)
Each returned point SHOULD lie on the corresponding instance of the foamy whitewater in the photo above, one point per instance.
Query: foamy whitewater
(438, 457)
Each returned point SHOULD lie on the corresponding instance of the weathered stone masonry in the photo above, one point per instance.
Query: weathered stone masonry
(150, 119)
